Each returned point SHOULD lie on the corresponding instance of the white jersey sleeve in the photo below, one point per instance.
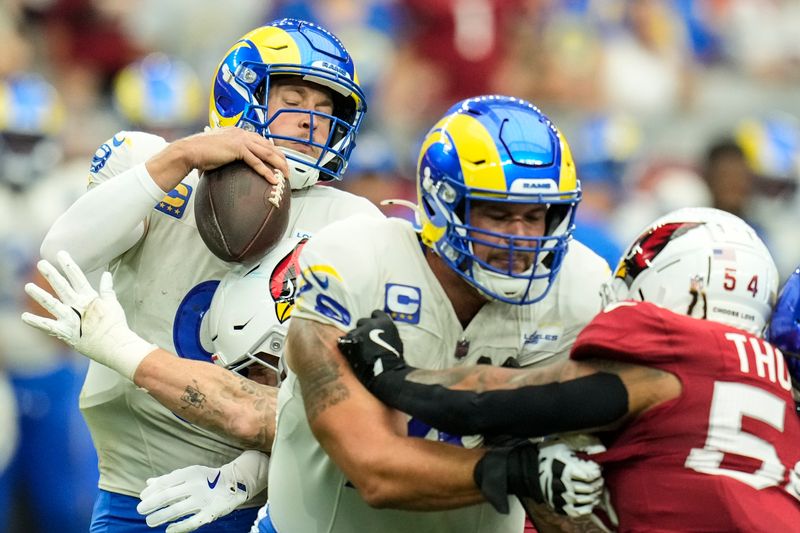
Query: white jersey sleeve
(114, 210)
(335, 283)
(348, 270)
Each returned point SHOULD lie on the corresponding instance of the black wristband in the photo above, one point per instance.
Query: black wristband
(504, 471)
(531, 411)
(491, 477)
(523, 472)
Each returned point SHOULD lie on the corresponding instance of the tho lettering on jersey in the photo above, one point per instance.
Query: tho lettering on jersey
(767, 361)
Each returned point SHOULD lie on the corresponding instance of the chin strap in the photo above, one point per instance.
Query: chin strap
(697, 290)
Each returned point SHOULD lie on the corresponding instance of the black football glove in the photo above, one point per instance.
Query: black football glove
(509, 470)
(373, 347)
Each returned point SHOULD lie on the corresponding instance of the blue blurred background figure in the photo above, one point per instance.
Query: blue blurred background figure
(162, 95)
(51, 479)
(605, 145)
(770, 143)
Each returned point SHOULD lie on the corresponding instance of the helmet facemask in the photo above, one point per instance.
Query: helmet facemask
(254, 80)
(543, 254)
(501, 151)
(301, 50)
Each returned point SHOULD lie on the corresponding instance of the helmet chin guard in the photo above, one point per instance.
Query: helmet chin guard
(302, 169)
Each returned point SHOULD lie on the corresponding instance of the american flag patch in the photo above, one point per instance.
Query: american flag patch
(725, 254)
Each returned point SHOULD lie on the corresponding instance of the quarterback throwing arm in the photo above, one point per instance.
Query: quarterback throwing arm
(130, 174)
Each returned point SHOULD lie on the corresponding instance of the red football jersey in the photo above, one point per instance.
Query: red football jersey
(718, 457)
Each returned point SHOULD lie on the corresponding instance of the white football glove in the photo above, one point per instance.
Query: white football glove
(574, 486)
(570, 485)
(91, 323)
(794, 481)
(202, 493)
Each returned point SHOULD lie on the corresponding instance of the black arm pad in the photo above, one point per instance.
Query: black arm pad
(534, 411)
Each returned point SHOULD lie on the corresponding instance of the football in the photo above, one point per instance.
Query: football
(239, 214)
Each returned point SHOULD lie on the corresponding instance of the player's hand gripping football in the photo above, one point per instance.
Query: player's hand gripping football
(373, 347)
(90, 322)
(200, 494)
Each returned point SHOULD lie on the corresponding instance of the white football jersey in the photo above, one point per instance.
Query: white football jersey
(165, 283)
(356, 266)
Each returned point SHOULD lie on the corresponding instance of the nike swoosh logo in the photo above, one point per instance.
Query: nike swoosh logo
(212, 484)
(116, 142)
(375, 336)
(323, 282)
(242, 326)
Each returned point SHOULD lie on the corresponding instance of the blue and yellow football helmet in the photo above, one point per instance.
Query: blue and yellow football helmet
(31, 117)
(771, 146)
(497, 149)
(159, 92)
(784, 327)
(291, 47)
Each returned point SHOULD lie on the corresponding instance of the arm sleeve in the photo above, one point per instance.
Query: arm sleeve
(106, 221)
(534, 411)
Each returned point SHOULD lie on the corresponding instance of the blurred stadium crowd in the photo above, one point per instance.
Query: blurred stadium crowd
(666, 103)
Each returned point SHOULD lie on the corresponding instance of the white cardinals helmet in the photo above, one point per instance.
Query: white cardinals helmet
(248, 317)
(701, 262)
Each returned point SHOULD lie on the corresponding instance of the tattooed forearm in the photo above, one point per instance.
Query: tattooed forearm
(308, 351)
(192, 397)
(242, 409)
(211, 397)
(322, 388)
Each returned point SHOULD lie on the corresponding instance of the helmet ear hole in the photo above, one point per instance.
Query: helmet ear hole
(223, 101)
(260, 94)
(344, 107)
